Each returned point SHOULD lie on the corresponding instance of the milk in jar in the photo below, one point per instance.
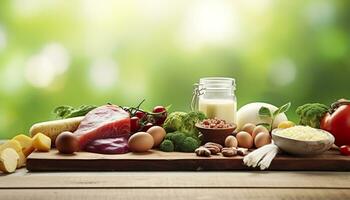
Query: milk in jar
(215, 97)
(219, 108)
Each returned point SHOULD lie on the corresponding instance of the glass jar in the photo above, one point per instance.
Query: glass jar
(215, 96)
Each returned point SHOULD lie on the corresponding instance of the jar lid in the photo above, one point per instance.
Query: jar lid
(217, 83)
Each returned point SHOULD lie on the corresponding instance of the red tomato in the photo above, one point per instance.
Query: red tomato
(161, 116)
(159, 109)
(345, 150)
(140, 114)
(147, 126)
(338, 123)
(134, 124)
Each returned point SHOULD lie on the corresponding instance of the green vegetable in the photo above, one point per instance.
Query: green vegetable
(266, 112)
(65, 112)
(174, 121)
(184, 122)
(311, 114)
(189, 145)
(181, 130)
(167, 146)
(169, 136)
(190, 121)
(178, 138)
(180, 142)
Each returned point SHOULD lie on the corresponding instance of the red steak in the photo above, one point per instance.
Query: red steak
(107, 121)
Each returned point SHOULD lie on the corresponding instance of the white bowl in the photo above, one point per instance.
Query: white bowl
(300, 147)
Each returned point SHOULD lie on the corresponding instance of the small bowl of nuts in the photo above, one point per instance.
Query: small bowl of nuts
(215, 130)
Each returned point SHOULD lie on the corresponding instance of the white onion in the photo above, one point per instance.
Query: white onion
(250, 114)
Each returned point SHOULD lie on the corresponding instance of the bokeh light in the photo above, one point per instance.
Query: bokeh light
(43, 68)
(3, 38)
(210, 22)
(79, 52)
(103, 74)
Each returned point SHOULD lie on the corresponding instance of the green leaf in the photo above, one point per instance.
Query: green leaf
(282, 109)
(69, 112)
(168, 107)
(264, 112)
(62, 111)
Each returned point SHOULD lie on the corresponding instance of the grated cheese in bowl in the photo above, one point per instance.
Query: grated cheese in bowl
(304, 133)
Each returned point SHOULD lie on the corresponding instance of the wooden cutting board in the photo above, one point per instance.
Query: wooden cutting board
(175, 161)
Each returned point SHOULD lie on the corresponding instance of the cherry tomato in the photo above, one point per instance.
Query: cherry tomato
(140, 114)
(147, 126)
(159, 109)
(134, 124)
(345, 150)
(161, 117)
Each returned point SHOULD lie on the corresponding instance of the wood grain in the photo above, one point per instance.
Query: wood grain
(247, 179)
(176, 161)
(169, 194)
(175, 185)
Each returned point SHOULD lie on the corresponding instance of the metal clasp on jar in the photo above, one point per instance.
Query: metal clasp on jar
(198, 90)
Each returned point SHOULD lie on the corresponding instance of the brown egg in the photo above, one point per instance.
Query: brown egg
(249, 128)
(140, 142)
(244, 139)
(158, 133)
(231, 141)
(259, 129)
(262, 139)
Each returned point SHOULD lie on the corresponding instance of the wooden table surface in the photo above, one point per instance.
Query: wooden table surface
(175, 185)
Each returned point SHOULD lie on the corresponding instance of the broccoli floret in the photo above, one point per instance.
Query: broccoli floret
(181, 142)
(184, 122)
(174, 121)
(169, 136)
(200, 115)
(311, 114)
(190, 121)
(167, 146)
(181, 130)
(189, 145)
(178, 138)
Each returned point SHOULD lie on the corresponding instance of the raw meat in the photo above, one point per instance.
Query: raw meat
(107, 121)
(109, 146)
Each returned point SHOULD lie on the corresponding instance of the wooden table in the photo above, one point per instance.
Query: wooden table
(175, 185)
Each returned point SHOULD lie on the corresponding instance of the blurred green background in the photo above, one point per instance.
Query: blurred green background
(92, 52)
